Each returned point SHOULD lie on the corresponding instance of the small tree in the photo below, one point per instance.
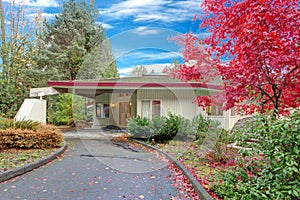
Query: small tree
(260, 38)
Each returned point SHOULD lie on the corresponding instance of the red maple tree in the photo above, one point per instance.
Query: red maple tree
(260, 39)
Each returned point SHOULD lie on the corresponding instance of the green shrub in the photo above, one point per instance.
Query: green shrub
(161, 128)
(139, 127)
(45, 136)
(220, 151)
(156, 124)
(6, 123)
(202, 125)
(276, 174)
(23, 124)
(169, 129)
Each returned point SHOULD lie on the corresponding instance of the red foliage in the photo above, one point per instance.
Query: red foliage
(261, 40)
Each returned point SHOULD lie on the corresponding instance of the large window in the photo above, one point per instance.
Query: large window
(102, 110)
(214, 110)
(150, 108)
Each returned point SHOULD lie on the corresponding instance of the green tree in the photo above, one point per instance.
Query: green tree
(18, 47)
(138, 71)
(70, 37)
(99, 63)
(69, 109)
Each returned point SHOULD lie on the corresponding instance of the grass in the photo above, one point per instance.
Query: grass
(12, 158)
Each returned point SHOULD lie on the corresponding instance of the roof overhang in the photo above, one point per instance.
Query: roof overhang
(95, 88)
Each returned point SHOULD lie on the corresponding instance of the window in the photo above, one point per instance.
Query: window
(150, 108)
(156, 108)
(102, 110)
(214, 110)
(233, 112)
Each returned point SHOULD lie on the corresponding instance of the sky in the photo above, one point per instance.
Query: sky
(138, 29)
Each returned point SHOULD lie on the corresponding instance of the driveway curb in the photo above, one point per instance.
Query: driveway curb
(6, 175)
(198, 187)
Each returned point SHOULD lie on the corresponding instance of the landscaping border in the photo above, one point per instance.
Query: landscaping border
(198, 187)
(6, 175)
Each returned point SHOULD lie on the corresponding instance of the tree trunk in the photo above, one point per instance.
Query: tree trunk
(3, 40)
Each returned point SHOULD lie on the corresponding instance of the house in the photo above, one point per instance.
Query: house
(117, 100)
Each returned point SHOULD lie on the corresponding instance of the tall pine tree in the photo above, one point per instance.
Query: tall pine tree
(71, 38)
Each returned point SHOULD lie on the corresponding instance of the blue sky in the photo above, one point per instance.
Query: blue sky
(138, 29)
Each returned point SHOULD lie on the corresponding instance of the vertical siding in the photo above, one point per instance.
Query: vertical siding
(175, 101)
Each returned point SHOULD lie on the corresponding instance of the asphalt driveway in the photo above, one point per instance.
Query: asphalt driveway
(95, 169)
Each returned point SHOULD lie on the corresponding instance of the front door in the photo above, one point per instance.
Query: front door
(124, 113)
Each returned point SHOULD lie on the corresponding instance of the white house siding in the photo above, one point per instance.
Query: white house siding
(173, 100)
(181, 102)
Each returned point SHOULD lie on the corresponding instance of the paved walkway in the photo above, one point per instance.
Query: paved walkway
(94, 168)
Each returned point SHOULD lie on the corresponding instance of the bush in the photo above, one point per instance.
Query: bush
(139, 127)
(161, 128)
(276, 174)
(169, 129)
(24, 124)
(202, 125)
(44, 137)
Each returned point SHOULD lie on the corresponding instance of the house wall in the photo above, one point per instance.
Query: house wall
(175, 101)
(180, 102)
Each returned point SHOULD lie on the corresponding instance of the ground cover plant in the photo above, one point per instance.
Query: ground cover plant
(12, 158)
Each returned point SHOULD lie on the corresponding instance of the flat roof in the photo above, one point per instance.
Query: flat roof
(93, 87)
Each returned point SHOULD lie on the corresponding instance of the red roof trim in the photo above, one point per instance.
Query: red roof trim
(132, 84)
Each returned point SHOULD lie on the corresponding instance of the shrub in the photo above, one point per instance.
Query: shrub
(156, 124)
(44, 137)
(275, 175)
(202, 125)
(169, 129)
(220, 151)
(6, 123)
(161, 128)
(139, 127)
(23, 124)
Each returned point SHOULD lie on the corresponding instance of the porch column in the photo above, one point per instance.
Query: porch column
(96, 123)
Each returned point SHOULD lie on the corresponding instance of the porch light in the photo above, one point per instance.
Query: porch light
(113, 105)
(130, 103)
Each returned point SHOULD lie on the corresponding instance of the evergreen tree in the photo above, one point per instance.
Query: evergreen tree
(70, 37)
(99, 63)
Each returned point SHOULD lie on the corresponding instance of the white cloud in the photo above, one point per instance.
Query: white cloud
(147, 56)
(144, 30)
(106, 26)
(125, 70)
(35, 3)
(154, 10)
